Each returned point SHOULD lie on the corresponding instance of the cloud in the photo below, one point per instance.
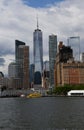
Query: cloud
(18, 21)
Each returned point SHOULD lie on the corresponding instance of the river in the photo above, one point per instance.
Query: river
(46, 113)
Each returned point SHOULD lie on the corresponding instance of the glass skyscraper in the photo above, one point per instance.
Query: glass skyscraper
(74, 42)
(38, 55)
(52, 56)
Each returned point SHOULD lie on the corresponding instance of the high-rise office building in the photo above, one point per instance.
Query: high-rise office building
(22, 63)
(17, 56)
(52, 56)
(38, 54)
(74, 42)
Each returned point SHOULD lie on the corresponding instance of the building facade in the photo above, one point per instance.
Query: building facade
(17, 56)
(82, 57)
(74, 42)
(46, 74)
(67, 70)
(12, 70)
(52, 56)
(71, 73)
(64, 54)
(31, 75)
(38, 55)
(22, 64)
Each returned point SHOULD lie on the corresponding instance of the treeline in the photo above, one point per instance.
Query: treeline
(62, 90)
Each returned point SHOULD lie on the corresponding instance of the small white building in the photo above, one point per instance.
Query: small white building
(76, 93)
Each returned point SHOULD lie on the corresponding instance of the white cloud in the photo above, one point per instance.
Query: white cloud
(18, 21)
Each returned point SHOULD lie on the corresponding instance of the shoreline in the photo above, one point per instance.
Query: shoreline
(15, 96)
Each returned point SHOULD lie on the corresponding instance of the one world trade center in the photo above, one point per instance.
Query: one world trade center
(38, 55)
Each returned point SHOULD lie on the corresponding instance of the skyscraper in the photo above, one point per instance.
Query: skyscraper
(17, 56)
(52, 56)
(38, 54)
(22, 63)
(74, 42)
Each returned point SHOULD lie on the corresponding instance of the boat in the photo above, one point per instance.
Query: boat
(22, 95)
(34, 95)
(76, 93)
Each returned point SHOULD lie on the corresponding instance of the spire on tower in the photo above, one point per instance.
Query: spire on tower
(37, 22)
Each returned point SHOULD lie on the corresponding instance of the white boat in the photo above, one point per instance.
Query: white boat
(22, 95)
(76, 93)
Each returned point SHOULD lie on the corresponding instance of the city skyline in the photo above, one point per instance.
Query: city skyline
(18, 21)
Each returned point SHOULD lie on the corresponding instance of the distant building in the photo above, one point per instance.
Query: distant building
(12, 70)
(4, 81)
(64, 54)
(82, 57)
(46, 65)
(15, 83)
(1, 75)
(46, 74)
(68, 71)
(31, 75)
(74, 42)
(22, 64)
(1, 79)
(38, 55)
(17, 55)
(52, 56)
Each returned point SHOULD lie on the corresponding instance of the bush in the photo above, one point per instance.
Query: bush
(62, 90)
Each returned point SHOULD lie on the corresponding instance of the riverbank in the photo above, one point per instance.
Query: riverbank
(63, 90)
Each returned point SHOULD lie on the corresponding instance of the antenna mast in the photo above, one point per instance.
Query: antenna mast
(37, 22)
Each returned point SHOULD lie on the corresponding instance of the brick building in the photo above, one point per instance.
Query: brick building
(69, 73)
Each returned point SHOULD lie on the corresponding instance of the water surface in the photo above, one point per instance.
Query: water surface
(49, 113)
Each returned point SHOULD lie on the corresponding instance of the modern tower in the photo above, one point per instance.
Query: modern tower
(38, 54)
(52, 56)
(22, 63)
(17, 56)
(74, 42)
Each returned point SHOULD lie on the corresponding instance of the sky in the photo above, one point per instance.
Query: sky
(40, 3)
(18, 20)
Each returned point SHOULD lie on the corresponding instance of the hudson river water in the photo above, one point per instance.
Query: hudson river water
(47, 113)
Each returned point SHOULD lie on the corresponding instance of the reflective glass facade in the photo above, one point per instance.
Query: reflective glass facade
(52, 56)
(74, 42)
(38, 51)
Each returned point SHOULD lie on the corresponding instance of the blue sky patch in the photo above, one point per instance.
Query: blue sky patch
(40, 3)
